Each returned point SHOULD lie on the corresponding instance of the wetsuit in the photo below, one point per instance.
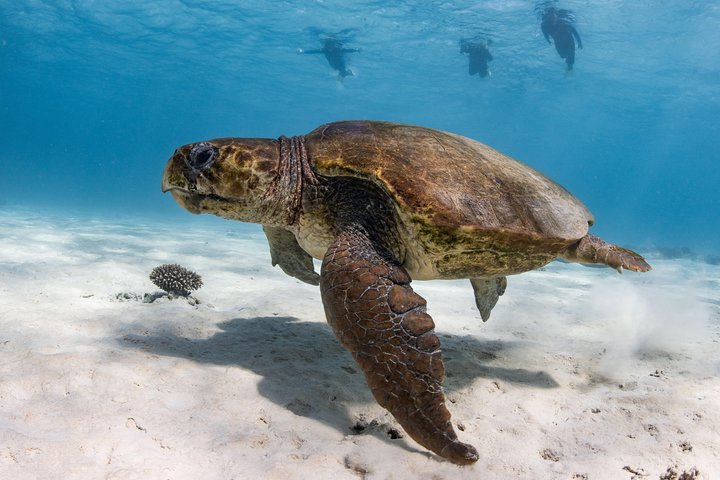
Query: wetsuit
(478, 57)
(335, 55)
(558, 25)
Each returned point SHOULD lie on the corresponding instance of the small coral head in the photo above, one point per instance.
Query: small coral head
(175, 279)
(225, 176)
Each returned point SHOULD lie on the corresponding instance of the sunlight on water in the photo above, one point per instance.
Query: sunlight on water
(95, 95)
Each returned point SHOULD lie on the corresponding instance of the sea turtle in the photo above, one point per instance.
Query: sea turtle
(381, 204)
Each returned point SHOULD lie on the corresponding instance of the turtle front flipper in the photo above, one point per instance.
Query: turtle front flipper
(487, 292)
(376, 315)
(591, 249)
(286, 252)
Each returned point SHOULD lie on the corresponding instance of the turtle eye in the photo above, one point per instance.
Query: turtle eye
(202, 156)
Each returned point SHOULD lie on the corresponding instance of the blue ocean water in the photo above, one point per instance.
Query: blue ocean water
(96, 94)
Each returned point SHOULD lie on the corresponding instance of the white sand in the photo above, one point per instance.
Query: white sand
(579, 372)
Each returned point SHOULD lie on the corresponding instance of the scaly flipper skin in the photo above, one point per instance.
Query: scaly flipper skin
(286, 252)
(592, 249)
(376, 315)
(487, 292)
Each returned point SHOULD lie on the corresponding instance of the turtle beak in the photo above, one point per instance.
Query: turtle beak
(165, 186)
(174, 174)
(175, 180)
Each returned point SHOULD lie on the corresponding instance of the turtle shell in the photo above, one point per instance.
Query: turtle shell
(448, 183)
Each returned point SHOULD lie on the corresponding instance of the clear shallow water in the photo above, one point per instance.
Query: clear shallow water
(95, 95)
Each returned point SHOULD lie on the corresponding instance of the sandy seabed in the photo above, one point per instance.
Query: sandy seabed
(581, 373)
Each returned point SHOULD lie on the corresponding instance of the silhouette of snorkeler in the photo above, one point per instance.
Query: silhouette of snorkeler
(557, 23)
(335, 55)
(478, 56)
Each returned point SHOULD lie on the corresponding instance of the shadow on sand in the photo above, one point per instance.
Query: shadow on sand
(283, 349)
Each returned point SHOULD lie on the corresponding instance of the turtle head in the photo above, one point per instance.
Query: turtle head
(228, 177)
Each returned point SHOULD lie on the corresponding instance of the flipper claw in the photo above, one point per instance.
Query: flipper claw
(460, 453)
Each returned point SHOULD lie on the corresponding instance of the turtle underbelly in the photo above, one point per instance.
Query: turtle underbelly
(487, 263)
(435, 259)
(430, 262)
(315, 233)
(433, 252)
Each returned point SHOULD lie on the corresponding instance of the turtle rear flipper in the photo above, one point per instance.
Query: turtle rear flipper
(487, 292)
(379, 318)
(592, 249)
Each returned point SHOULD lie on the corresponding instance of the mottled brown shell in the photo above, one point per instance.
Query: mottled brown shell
(450, 182)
